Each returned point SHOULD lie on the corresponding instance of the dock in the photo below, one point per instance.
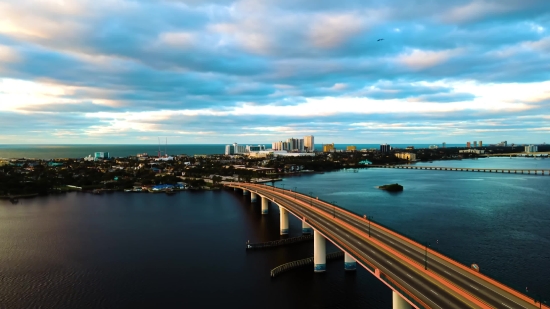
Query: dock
(299, 263)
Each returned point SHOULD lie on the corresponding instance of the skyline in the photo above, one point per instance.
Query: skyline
(216, 72)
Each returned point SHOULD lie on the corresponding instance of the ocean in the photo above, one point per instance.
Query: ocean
(116, 150)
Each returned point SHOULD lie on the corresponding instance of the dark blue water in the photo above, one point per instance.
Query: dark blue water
(187, 251)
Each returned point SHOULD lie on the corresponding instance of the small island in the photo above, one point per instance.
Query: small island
(393, 187)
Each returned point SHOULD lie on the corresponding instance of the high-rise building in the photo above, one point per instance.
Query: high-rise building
(229, 150)
(351, 148)
(480, 143)
(101, 155)
(309, 143)
(444, 145)
(531, 148)
(468, 145)
(475, 144)
(385, 148)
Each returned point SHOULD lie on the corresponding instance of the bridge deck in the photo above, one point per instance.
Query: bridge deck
(396, 260)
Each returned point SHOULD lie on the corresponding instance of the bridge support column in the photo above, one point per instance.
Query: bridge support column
(306, 228)
(283, 220)
(399, 302)
(349, 262)
(245, 192)
(253, 197)
(319, 252)
(235, 189)
(265, 207)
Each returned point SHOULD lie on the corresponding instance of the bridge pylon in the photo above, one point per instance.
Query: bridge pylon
(319, 252)
(253, 197)
(399, 302)
(283, 220)
(349, 262)
(306, 228)
(265, 206)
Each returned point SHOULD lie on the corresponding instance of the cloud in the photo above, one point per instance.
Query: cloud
(262, 69)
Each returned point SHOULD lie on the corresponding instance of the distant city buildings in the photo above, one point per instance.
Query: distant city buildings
(306, 144)
(240, 149)
(406, 156)
(385, 148)
(475, 144)
(410, 147)
(531, 148)
(351, 148)
(444, 145)
(478, 151)
(101, 156)
(328, 148)
(468, 145)
(503, 144)
(434, 146)
(309, 143)
(480, 143)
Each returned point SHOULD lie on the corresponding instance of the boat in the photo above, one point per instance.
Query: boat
(170, 191)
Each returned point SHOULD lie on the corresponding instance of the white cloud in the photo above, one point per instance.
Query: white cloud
(422, 59)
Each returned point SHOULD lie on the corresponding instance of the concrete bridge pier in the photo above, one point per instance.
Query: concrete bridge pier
(235, 189)
(253, 197)
(319, 252)
(349, 262)
(284, 220)
(265, 206)
(399, 302)
(306, 228)
(245, 192)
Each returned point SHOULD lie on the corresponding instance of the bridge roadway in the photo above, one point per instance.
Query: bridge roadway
(534, 171)
(446, 283)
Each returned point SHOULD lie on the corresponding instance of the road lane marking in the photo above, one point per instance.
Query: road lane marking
(474, 287)
(434, 292)
(507, 305)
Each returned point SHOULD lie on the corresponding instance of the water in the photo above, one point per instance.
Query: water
(81, 151)
(125, 250)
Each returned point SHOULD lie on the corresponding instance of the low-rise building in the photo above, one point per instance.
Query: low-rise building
(406, 156)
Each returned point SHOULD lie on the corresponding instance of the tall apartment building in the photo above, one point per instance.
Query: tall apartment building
(531, 148)
(309, 143)
(480, 143)
(475, 144)
(444, 145)
(468, 145)
(385, 148)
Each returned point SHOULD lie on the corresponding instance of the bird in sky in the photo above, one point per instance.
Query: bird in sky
(379, 40)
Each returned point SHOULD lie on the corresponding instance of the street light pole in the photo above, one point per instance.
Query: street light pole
(283, 185)
(370, 219)
(295, 192)
(426, 256)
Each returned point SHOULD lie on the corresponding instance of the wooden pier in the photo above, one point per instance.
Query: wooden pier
(277, 243)
(299, 263)
(541, 172)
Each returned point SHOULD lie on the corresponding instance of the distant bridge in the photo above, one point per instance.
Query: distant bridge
(418, 276)
(467, 169)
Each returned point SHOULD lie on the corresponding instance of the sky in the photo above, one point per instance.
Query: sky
(248, 71)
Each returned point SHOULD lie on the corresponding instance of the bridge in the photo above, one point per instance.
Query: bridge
(466, 169)
(418, 276)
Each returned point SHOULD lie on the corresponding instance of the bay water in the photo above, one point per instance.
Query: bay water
(126, 250)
